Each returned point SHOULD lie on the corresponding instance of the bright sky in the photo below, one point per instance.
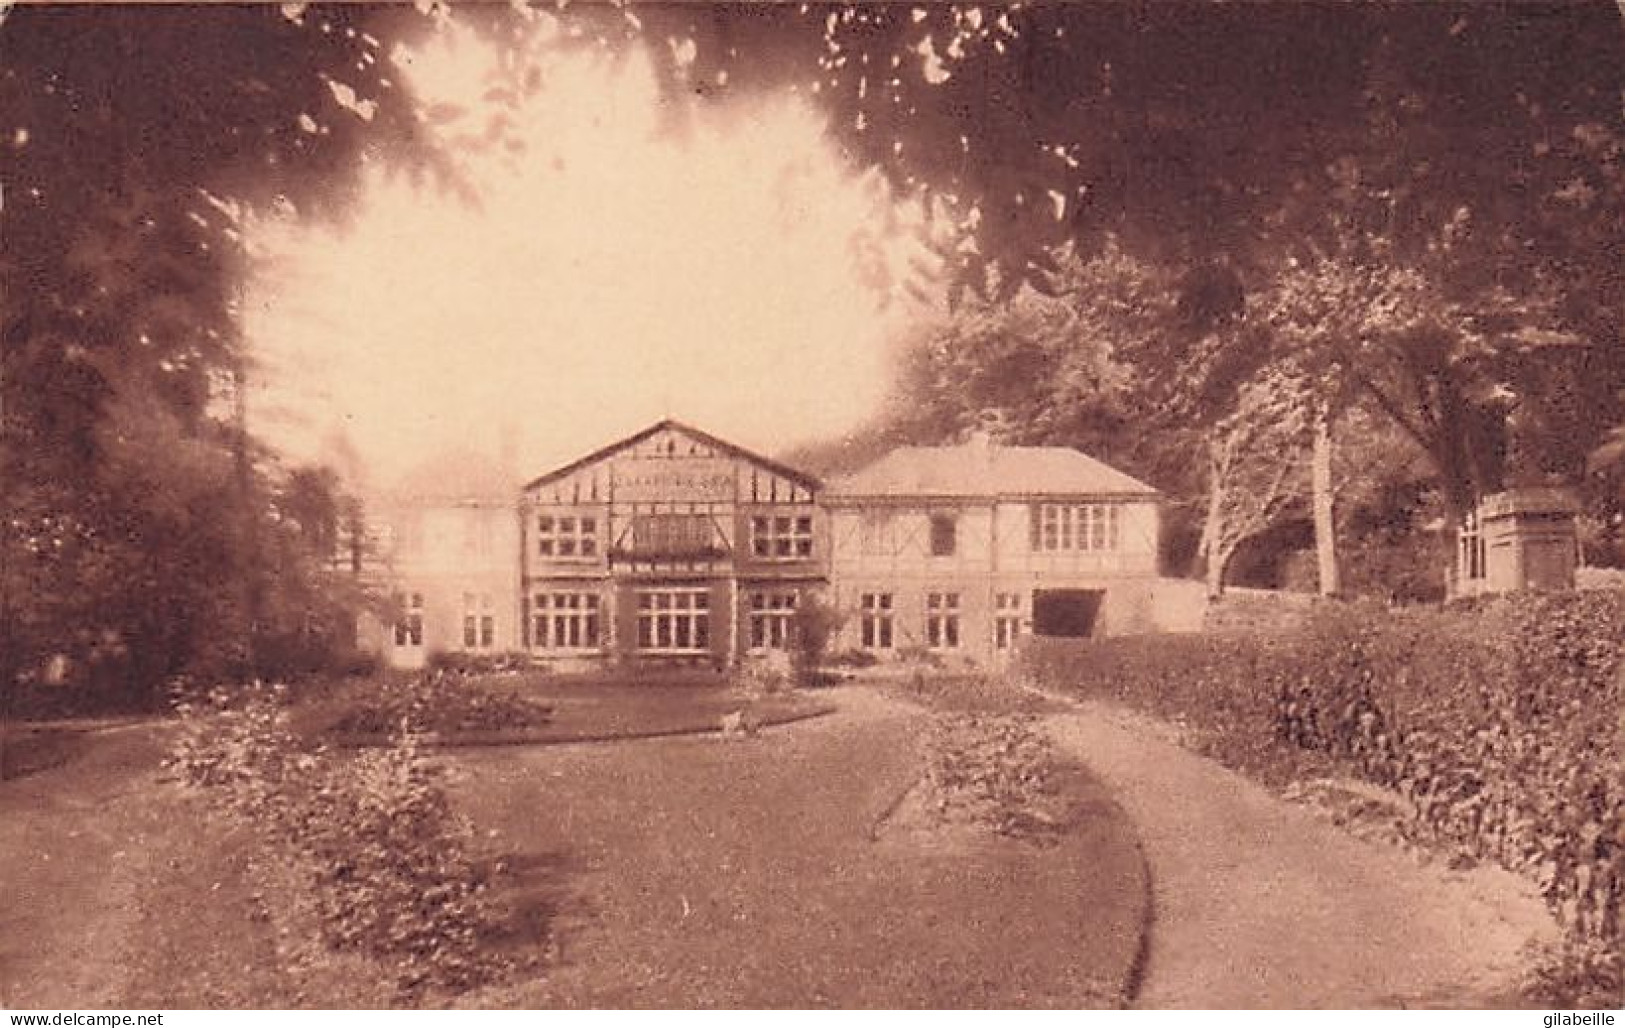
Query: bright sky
(616, 276)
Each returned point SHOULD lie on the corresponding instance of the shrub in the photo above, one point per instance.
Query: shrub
(854, 659)
(814, 625)
(438, 703)
(458, 662)
(387, 857)
(1498, 722)
(766, 675)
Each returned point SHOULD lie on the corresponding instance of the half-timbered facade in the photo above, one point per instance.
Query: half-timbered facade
(673, 547)
(962, 550)
(670, 546)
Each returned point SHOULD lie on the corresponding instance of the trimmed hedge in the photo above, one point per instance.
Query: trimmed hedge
(1498, 722)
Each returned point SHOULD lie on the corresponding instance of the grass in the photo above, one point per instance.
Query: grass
(777, 872)
(774, 870)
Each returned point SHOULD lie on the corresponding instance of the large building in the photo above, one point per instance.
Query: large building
(675, 547)
(447, 544)
(671, 546)
(962, 550)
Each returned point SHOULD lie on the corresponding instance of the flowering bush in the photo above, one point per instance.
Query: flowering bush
(388, 858)
(1498, 724)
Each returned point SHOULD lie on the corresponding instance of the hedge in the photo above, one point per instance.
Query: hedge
(1499, 723)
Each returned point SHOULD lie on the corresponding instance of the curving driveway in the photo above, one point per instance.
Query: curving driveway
(1259, 903)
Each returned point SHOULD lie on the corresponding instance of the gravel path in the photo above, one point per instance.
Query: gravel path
(1261, 904)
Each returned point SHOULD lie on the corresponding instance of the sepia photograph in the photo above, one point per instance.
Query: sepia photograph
(533, 505)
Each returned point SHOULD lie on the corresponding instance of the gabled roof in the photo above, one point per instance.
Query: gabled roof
(981, 469)
(665, 424)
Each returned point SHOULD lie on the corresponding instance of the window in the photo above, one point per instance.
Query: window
(479, 624)
(781, 536)
(944, 529)
(673, 535)
(878, 533)
(566, 536)
(1086, 526)
(674, 620)
(942, 621)
(409, 629)
(772, 619)
(1474, 552)
(876, 621)
(1006, 620)
(564, 621)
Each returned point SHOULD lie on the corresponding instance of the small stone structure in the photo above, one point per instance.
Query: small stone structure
(1517, 540)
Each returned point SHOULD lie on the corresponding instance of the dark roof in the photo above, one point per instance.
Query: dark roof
(664, 424)
(983, 469)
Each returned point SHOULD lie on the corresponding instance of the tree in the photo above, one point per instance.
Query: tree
(1256, 464)
(1473, 147)
(137, 145)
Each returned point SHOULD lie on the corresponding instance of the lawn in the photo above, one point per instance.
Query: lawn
(785, 870)
(796, 867)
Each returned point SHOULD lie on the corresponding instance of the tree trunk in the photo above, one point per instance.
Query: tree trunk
(1320, 477)
(1212, 528)
(1217, 560)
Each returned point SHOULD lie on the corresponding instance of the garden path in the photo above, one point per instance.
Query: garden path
(1260, 903)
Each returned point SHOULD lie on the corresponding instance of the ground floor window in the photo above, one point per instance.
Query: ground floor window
(674, 620)
(875, 622)
(1474, 554)
(409, 629)
(772, 619)
(942, 620)
(564, 621)
(479, 624)
(1006, 620)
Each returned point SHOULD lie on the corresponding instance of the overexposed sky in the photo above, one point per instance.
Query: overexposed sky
(613, 275)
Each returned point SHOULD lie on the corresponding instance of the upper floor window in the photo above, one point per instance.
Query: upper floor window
(781, 536)
(563, 535)
(944, 534)
(477, 539)
(878, 533)
(1076, 526)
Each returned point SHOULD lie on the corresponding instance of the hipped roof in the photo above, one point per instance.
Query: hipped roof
(979, 469)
